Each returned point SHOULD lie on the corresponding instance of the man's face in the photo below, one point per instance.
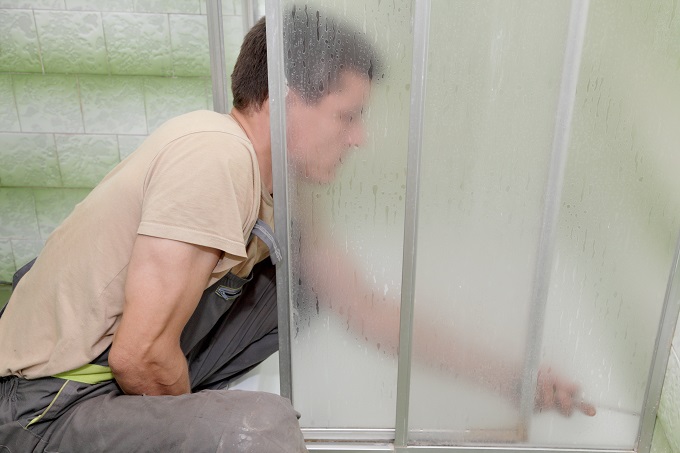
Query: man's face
(320, 134)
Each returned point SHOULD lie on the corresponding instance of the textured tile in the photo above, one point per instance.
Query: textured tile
(25, 250)
(54, 205)
(28, 160)
(32, 4)
(659, 440)
(20, 49)
(168, 6)
(7, 266)
(85, 159)
(669, 408)
(17, 211)
(138, 43)
(169, 97)
(9, 118)
(113, 104)
(190, 52)
(72, 42)
(129, 143)
(101, 5)
(48, 103)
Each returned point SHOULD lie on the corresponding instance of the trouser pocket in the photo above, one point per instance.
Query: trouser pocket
(41, 401)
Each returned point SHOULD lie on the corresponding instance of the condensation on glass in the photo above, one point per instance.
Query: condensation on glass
(346, 157)
(619, 219)
(492, 88)
(494, 74)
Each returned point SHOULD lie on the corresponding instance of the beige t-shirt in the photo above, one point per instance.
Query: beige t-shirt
(196, 180)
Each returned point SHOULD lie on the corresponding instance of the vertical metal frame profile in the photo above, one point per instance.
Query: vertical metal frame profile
(662, 349)
(277, 115)
(421, 34)
(541, 282)
(218, 71)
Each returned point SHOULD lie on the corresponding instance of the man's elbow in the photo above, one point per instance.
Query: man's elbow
(154, 370)
(128, 368)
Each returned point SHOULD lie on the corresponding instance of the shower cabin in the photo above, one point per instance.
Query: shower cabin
(512, 213)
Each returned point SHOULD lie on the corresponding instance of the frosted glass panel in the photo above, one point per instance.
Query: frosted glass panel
(346, 188)
(619, 219)
(493, 80)
(492, 87)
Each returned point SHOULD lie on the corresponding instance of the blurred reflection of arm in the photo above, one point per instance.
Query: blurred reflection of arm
(343, 290)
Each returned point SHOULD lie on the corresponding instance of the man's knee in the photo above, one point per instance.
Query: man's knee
(268, 424)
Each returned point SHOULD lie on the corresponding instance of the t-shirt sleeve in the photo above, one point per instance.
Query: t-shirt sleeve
(200, 189)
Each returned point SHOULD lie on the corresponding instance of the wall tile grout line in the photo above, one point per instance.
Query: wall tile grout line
(16, 103)
(106, 44)
(37, 37)
(56, 151)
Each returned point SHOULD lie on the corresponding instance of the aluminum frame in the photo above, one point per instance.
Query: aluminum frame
(565, 108)
(277, 115)
(349, 435)
(362, 447)
(421, 34)
(218, 71)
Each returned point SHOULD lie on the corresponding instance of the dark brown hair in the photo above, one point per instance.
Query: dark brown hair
(249, 79)
(318, 48)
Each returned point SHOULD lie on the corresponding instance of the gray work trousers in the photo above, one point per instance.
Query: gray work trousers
(232, 330)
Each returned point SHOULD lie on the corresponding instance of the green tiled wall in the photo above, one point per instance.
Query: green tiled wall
(80, 169)
(29, 160)
(48, 103)
(72, 42)
(82, 83)
(19, 39)
(153, 37)
(113, 104)
(669, 408)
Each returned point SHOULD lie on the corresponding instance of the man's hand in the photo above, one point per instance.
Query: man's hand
(553, 391)
(165, 280)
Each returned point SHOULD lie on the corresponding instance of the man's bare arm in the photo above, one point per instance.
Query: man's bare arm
(165, 280)
(379, 320)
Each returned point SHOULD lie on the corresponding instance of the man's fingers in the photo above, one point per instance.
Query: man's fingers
(587, 408)
(564, 401)
(544, 398)
(556, 392)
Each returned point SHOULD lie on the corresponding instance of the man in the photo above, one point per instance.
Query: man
(108, 343)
